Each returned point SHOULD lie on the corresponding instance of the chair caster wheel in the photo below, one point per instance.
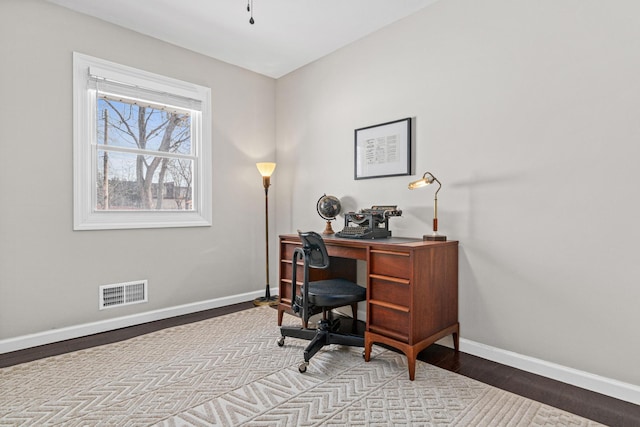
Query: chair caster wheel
(280, 341)
(303, 367)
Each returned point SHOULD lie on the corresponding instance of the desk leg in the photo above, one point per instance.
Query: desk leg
(411, 363)
(410, 351)
(368, 343)
(280, 315)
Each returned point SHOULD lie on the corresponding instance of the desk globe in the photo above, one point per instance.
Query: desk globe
(328, 208)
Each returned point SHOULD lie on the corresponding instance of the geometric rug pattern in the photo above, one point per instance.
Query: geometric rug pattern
(229, 371)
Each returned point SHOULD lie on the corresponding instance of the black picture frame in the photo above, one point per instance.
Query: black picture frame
(383, 150)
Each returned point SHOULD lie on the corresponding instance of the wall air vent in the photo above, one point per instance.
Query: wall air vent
(120, 294)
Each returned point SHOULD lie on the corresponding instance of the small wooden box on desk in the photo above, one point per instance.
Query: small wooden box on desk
(412, 288)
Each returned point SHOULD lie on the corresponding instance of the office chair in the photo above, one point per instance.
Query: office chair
(319, 297)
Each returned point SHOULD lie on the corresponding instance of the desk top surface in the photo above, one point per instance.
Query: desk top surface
(395, 241)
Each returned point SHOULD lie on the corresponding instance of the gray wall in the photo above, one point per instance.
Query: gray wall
(49, 274)
(527, 111)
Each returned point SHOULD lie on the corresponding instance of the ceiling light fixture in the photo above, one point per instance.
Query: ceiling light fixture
(250, 10)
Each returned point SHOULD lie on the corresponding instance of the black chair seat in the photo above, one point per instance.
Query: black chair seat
(335, 293)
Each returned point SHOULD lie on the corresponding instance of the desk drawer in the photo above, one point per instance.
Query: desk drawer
(287, 249)
(339, 251)
(390, 263)
(285, 292)
(343, 252)
(389, 322)
(389, 289)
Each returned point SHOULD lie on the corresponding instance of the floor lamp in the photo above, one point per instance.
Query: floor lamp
(266, 169)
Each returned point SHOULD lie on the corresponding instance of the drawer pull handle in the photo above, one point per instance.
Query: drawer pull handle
(390, 279)
(396, 307)
(378, 251)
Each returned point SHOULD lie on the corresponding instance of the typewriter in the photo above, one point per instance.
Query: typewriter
(370, 223)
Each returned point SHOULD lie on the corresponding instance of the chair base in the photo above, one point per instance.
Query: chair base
(323, 336)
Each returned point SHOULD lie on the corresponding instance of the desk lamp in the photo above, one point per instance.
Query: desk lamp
(427, 179)
(266, 169)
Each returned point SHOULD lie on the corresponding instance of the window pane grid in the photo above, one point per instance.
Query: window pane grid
(143, 155)
(123, 124)
(166, 154)
(169, 188)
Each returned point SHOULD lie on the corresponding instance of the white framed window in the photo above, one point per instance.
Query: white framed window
(142, 148)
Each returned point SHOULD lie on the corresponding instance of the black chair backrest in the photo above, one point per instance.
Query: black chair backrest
(313, 243)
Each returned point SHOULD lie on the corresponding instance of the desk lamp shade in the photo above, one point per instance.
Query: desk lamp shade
(428, 179)
(266, 169)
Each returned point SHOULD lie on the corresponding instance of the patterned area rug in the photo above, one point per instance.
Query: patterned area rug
(229, 371)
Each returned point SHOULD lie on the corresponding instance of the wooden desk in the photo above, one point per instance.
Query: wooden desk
(412, 288)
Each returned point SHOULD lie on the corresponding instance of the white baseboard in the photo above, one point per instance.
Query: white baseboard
(55, 335)
(607, 386)
(603, 385)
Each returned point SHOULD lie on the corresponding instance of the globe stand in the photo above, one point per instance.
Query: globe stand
(328, 229)
(328, 208)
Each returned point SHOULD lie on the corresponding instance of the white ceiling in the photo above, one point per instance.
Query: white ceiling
(287, 34)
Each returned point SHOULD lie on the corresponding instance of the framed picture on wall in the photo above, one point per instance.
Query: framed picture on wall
(383, 150)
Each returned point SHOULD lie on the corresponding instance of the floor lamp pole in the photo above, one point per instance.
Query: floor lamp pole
(267, 291)
(266, 169)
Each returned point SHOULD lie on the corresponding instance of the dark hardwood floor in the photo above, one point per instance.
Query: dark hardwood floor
(588, 404)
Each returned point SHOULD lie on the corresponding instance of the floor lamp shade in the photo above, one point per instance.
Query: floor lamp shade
(266, 170)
